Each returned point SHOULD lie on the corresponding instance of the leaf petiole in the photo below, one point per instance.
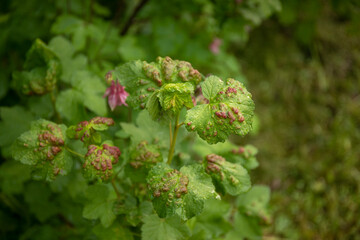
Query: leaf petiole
(74, 152)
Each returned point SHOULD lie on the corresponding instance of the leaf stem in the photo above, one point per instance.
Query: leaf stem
(74, 152)
(53, 101)
(115, 188)
(170, 131)
(173, 140)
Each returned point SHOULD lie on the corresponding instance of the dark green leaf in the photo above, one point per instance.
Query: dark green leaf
(155, 228)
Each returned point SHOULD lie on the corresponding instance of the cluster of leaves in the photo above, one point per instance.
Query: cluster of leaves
(124, 179)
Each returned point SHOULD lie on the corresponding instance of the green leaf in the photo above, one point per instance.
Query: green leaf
(230, 111)
(227, 177)
(115, 232)
(13, 175)
(15, 121)
(87, 91)
(37, 196)
(247, 227)
(92, 89)
(174, 96)
(255, 202)
(146, 130)
(142, 79)
(42, 69)
(70, 63)
(85, 130)
(181, 193)
(100, 204)
(43, 148)
(69, 105)
(155, 228)
(211, 87)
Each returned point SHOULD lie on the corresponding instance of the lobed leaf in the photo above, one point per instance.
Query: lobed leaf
(86, 130)
(181, 193)
(99, 161)
(100, 204)
(155, 228)
(227, 177)
(144, 80)
(230, 111)
(41, 70)
(43, 148)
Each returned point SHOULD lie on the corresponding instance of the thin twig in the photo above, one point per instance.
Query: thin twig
(130, 21)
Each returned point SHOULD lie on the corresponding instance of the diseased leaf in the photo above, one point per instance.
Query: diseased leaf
(227, 177)
(100, 204)
(86, 130)
(174, 96)
(181, 193)
(99, 161)
(172, 228)
(211, 86)
(43, 148)
(244, 155)
(142, 158)
(142, 79)
(41, 70)
(230, 111)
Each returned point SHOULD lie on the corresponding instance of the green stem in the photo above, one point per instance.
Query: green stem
(53, 101)
(74, 152)
(115, 188)
(173, 140)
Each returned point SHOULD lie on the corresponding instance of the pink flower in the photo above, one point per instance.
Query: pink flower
(117, 95)
(215, 45)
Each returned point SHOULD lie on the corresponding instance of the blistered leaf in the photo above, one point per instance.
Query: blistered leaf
(244, 155)
(142, 79)
(181, 193)
(230, 111)
(100, 204)
(85, 130)
(142, 158)
(41, 70)
(155, 228)
(43, 148)
(99, 161)
(227, 177)
(174, 96)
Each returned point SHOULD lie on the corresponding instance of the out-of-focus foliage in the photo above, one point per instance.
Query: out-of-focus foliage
(306, 82)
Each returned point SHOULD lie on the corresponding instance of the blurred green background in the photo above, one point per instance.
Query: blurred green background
(299, 58)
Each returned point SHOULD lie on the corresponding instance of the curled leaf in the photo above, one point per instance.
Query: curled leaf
(99, 161)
